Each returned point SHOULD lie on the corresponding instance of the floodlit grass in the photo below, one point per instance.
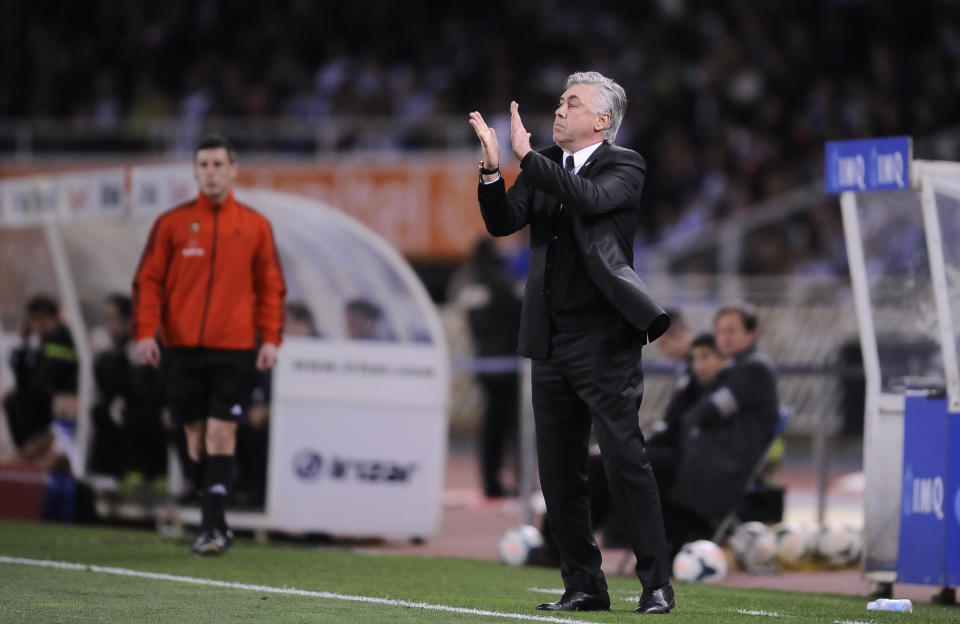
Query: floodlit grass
(41, 594)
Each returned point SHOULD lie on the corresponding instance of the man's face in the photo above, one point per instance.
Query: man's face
(731, 336)
(359, 325)
(215, 173)
(576, 123)
(118, 326)
(706, 364)
(43, 324)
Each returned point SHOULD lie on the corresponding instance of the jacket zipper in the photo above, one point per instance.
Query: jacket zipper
(213, 260)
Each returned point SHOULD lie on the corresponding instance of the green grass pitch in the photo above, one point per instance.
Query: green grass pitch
(338, 585)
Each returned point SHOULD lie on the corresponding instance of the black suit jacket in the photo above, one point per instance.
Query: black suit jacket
(728, 431)
(601, 204)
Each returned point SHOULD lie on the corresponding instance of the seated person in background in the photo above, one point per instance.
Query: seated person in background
(45, 373)
(298, 320)
(130, 440)
(726, 432)
(42, 410)
(665, 448)
(364, 320)
(493, 316)
(253, 440)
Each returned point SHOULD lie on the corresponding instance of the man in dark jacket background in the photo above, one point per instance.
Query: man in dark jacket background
(44, 367)
(494, 318)
(130, 441)
(731, 427)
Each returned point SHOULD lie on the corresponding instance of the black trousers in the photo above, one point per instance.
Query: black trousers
(593, 376)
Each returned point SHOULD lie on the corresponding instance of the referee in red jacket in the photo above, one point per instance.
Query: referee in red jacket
(211, 282)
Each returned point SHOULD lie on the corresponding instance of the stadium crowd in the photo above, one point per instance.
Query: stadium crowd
(730, 102)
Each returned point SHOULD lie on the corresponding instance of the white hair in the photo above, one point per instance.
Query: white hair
(610, 98)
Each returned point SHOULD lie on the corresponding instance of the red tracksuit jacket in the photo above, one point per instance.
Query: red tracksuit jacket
(209, 277)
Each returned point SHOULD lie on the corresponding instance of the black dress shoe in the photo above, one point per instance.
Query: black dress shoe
(578, 601)
(659, 600)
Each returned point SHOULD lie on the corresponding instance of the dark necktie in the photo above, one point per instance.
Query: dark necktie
(568, 165)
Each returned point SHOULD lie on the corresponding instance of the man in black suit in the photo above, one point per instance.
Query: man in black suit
(731, 428)
(586, 314)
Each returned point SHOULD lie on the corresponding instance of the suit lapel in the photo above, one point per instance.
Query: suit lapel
(588, 167)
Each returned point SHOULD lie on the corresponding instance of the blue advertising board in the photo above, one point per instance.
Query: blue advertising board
(868, 165)
(930, 504)
(952, 502)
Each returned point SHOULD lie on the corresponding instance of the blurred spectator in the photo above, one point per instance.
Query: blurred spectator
(493, 312)
(668, 450)
(736, 98)
(129, 438)
(42, 409)
(298, 320)
(45, 372)
(365, 321)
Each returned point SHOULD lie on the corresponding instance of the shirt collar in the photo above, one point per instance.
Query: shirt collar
(739, 357)
(582, 155)
(204, 202)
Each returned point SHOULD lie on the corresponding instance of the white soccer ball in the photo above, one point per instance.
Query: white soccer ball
(517, 542)
(839, 545)
(795, 543)
(754, 547)
(701, 561)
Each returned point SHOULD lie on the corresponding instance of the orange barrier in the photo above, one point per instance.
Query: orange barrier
(425, 206)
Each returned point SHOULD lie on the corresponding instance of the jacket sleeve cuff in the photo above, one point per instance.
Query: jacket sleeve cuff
(143, 333)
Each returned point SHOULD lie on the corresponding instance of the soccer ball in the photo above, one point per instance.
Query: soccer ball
(517, 542)
(839, 545)
(701, 561)
(754, 547)
(794, 543)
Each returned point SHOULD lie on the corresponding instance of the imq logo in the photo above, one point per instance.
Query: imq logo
(310, 465)
(925, 497)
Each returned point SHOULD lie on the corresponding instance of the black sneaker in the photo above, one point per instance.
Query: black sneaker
(211, 543)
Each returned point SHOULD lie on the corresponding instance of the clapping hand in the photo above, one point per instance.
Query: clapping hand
(488, 141)
(519, 137)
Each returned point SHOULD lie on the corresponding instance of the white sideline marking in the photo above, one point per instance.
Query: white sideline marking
(766, 613)
(545, 590)
(853, 622)
(159, 576)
